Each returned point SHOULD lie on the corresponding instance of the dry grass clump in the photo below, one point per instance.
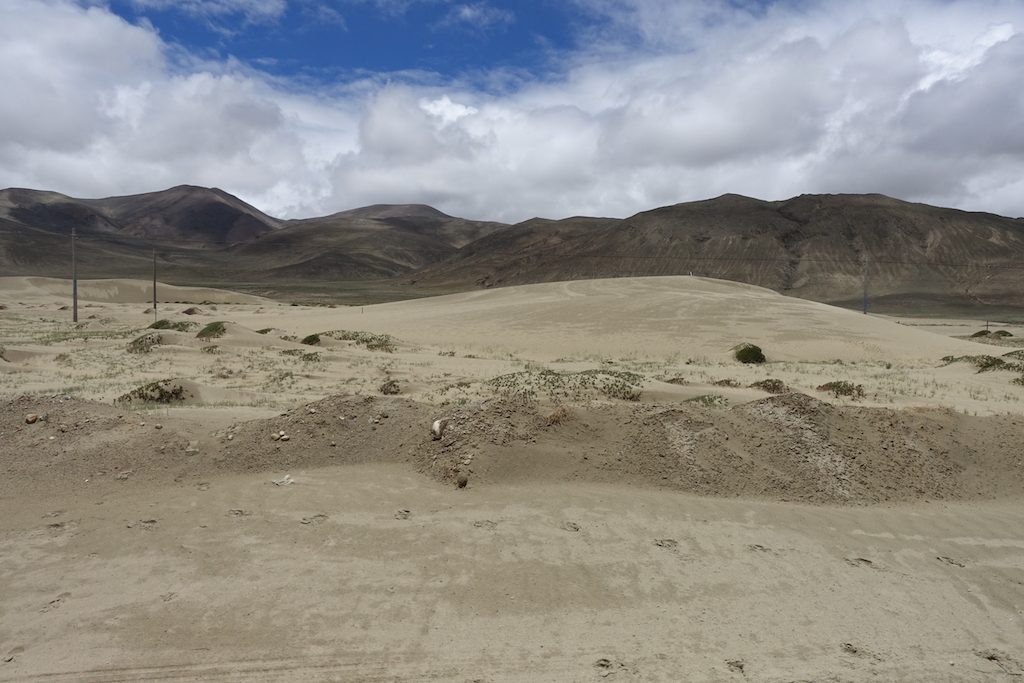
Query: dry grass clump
(559, 415)
(772, 386)
(529, 385)
(845, 388)
(177, 326)
(372, 342)
(710, 401)
(144, 344)
(390, 388)
(164, 391)
(212, 331)
(984, 363)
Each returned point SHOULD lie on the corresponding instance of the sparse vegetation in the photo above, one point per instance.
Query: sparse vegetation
(212, 331)
(772, 386)
(559, 415)
(748, 353)
(726, 383)
(390, 388)
(843, 388)
(985, 363)
(710, 401)
(311, 339)
(529, 385)
(265, 330)
(372, 342)
(164, 391)
(211, 349)
(981, 333)
(304, 356)
(144, 343)
(177, 326)
(1002, 333)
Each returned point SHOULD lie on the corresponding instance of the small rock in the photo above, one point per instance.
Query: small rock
(286, 438)
(275, 437)
(43, 417)
(142, 424)
(333, 444)
(230, 437)
(122, 476)
(281, 433)
(192, 447)
(31, 418)
(158, 426)
(437, 429)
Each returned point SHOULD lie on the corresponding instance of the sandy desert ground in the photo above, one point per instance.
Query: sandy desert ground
(634, 509)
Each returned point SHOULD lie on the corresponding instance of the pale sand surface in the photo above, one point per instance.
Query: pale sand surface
(488, 585)
(151, 575)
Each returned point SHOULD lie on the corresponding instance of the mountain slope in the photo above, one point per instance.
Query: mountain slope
(812, 246)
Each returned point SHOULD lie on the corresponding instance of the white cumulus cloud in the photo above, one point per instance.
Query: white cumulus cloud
(661, 102)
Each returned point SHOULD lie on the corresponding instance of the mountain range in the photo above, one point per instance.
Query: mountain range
(813, 246)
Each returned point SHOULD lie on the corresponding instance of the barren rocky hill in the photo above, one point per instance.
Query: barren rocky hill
(812, 246)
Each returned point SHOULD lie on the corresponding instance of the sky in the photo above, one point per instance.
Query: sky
(501, 110)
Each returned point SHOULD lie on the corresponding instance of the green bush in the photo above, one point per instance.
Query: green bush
(748, 353)
(212, 331)
(980, 333)
(311, 339)
(1002, 333)
(265, 330)
(164, 391)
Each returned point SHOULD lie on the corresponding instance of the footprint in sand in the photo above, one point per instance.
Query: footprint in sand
(666, 543)
(314, 520)
(56, 602)
(570, 526)
(403, 514)
(860, 562)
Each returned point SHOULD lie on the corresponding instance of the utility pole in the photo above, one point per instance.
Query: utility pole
(154, 285)
(74, 276)
(864, 274)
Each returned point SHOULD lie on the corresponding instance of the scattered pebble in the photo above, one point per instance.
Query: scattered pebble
(31, 418)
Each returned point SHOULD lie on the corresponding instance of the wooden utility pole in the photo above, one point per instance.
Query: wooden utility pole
(74, 276)
(154, 285)
(864, 274)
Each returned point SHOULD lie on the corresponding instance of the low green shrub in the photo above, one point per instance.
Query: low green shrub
(748, 353)
(311, 339)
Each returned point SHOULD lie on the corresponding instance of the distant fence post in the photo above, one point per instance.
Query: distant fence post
(74, 276)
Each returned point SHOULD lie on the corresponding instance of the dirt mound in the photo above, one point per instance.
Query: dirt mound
(786, 447)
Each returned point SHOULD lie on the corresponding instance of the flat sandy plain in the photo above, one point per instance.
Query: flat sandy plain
(635, 510)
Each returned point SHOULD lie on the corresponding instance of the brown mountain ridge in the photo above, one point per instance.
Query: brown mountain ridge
(812, 246)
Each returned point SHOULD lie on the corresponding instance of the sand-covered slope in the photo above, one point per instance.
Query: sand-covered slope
(661, 316)
(121, 291)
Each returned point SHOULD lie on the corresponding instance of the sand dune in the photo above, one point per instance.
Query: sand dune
(629, 510)
(122, 291)
(653, 316)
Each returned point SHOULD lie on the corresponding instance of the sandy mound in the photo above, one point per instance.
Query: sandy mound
(787, 447)
(122, 291)
(660, 316)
